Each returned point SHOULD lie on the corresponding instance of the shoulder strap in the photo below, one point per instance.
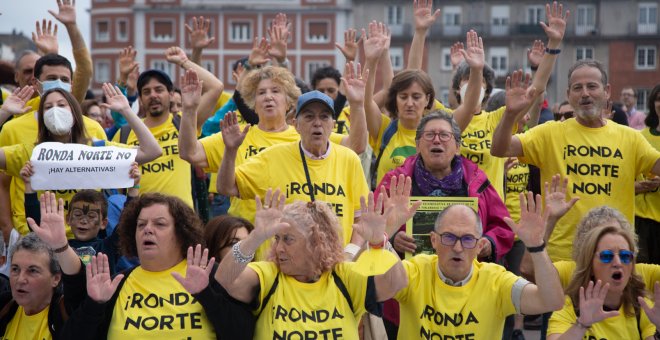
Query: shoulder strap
(638, 313)
(342, 289)
(387, 136)
(5, 310)
(123, 133)
(270, 293)
(176, 121)
(60, 303)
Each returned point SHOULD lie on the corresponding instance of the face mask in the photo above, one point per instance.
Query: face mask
(464, 90)
(58, 121)
(55, 84)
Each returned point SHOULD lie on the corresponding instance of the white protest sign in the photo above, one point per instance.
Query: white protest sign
(60, 166)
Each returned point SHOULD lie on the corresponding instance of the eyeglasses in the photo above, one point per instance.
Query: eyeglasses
(606, 256)
(78, 214)
(566, 115)
(467, 241)
(443, 135)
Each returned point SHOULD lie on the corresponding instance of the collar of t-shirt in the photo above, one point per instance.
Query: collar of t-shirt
(313, 157)
(451, 282)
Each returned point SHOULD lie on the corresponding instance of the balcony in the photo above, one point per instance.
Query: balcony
(647, 28)
(586, 30)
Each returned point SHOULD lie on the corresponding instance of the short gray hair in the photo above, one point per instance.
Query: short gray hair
(442, 115)
(444, 212)
(588, 63)
(32, 243)
(22, 55)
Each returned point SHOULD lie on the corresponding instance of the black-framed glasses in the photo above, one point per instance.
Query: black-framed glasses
(443, 135)
(467, 241)
(606, 256)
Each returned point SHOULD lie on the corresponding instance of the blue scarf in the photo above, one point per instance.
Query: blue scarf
(429, 185)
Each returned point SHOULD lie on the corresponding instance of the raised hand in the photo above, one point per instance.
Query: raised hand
(557, 18)
(66, 12)
(519, 93)
(191, 91)
(535, 54)
(15, 104)
(237, 74)
(199, 33)
(399, 201)
(135, 173)
(231, 131)
(371, 226)
(653, 313)
(591, 304)
(115, 100)
(531, 227)
(127, 63)
(269, 213)
(350, 47)
(45, 37)
(100, 286)
(279, 36)
(354, 82)
(259, 54)
(456, 56)
(474, 54)
(51, 230)
(377, 41)
(131, 81)
(198, 270)
(555, 197)
(423, 14)
(176, 55)
(27, 172)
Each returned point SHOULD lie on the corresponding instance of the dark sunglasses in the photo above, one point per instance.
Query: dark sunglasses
(626, 256)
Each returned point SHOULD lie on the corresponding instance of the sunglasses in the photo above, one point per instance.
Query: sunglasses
(467, 241)
(626, 256)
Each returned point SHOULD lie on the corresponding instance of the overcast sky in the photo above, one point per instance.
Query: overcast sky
(22, 14)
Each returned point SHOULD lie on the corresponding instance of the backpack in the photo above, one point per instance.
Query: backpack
(387, 136)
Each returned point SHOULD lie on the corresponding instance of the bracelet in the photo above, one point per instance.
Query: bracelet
(239, 257)
(61, 249)
(534, 68)
(581, 325)
(352, 249)
(554, 51)
(378, 245)
(537, 249)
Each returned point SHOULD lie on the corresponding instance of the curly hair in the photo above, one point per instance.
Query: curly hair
(187, 226)
(218, 232)
(278, 75)
(598, 217)
(78, 133)
(401, 82)
(584, 269)
(322, 231)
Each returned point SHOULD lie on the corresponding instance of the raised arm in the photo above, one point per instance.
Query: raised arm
(386, 72)
(198, 34)
(554, 29)
(45, 37)
(547, 294)
(374, 46)
(190, 148)
(15, 104)
(83, 73)
(233, 274)
(350, 47)
(127, 64)
(233, 138)
(211, 86)
(474, 57)
(148, 149)
(278, 34)
(424, 19)
(456, 58)
(352, 86)
(518, 99)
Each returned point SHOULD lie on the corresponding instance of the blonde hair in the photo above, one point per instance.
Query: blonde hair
(596, 217)
(278, 75)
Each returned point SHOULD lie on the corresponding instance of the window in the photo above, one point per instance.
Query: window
(499, 20)
(312, 66)
(585, 22)
(102, 30)
(584, 52)
(162, 30)
(318, 32)
(165, 66)
(396, 56)
(394, 15)
(499, 60)
(647, 23)
(642, 97)
(122, 30)
(102, 71)
(444, 96)
(240, 31)
(451, 19)
(209, 65)
(646, 57)
(445, 65)
(535, 14)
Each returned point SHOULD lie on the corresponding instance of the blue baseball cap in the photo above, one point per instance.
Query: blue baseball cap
(315, 97)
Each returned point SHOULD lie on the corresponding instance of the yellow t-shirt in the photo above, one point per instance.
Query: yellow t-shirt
(650, 273)
(26, 327)
(476, 143)
(431, 309)
(317, 310)
(400, 147)
(601, 164)
(516, 182)
(24, 130)
(345, 119)
(618, 327)
(222, 100)
(338, 179)
(153, 305)
(647, 205)
(167, 174)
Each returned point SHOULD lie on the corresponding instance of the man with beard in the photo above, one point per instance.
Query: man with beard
(600, 158)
